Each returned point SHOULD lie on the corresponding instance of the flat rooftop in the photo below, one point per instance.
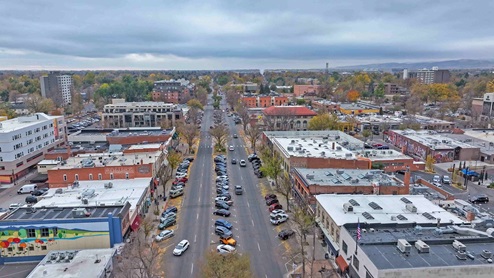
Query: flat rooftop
(357, 106)
(388, 206)
(428, 120)
(433, 140)
(83, 264)
(108, 159)
(380, 246)
(384, 155)
(348, 177)
(140, 104)
(121, 192)
(46, 213)
(477, 139)
(48, 162)
(8, 126)
(316, 143)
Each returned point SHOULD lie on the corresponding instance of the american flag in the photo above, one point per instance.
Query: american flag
(358, 230)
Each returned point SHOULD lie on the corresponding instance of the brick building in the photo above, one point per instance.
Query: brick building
(129, 164)
(301, 90)
(264, 101)
(287, 117)
(172, 91)
(326, 104)
(309, 182)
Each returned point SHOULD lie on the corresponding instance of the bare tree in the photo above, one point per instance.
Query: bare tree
(303, 221)
(190, 133)
(140, 258)
(414, 105)
(174, 158)
(253, 134)
(36, 103)
(219, 134)
(232, 97)
(243, 113)
(77, 104)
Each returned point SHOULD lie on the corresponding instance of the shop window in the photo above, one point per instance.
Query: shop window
(31, 233)
(45, 232)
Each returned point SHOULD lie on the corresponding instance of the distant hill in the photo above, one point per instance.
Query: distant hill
(450, 64)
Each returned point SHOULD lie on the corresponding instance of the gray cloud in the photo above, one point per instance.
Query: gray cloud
(180, 34)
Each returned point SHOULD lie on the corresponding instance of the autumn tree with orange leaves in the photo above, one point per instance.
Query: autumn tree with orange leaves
(352, 95)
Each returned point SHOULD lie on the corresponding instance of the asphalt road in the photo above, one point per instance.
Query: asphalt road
(196, 212)
(256, 235)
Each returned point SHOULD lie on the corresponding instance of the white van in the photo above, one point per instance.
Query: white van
(27, 188)
(176, 193)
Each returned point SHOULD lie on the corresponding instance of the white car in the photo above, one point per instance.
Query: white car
(181, 247)
(231, 148)
(225, 249)
(243, 163)
(438, 184)
(279, 219)
(277, 212)
(180, 175)
(164, 235)
(225, 199)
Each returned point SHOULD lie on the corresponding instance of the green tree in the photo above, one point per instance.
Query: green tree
(366, 133)
(379, 93)
(195, 103)
(272, 166)
(323, 122)
(89, 79)
(222, 80)
(285, 188)
(217, 265)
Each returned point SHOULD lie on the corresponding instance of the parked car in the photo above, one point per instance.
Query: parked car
(228, 241)
(223, 223)
(271, 201)
(181, 247)
(222, 212)
(285, 234)
(222, 231)
(221, 205)
(479, 199)
(278, 219)
(275, 206)
(38, 192)
(436, 178)
(225, 249)
(167, 223)
(270, 196)
(251, 156)
(31, 200)
(227, 195)
(277, 212)
(170, 209)
(446, 180)
(164, 235)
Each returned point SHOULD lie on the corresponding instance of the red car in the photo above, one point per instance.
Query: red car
(271, 201)
(377, 145)
(183, 179)
(275, 206)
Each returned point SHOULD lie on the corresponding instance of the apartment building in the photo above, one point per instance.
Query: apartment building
(301, 90)
(287, 117)
(172, 91)
(25, 140)
(429, 76)
(392, 89)
(58, 87)
(121, 114)
(264, 101)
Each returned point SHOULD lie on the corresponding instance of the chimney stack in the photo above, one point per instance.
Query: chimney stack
(332, 146)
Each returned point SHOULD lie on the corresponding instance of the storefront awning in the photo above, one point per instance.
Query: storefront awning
(137, 222)
(342, 264)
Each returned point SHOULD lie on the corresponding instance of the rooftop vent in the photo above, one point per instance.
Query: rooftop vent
(367, 216)
(411, 208)
(459, 246)
(80, 213)
(347, 207)
(404, 246)
(354, 203)
(339, 172)
(422, 247)
(486, 254)
(309, 176)
(338, 148)
(290, 148)
(405, 200)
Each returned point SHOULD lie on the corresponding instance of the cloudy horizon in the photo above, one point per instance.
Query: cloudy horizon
(236, 34)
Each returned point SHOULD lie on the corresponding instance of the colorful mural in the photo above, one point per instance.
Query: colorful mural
(35, 240)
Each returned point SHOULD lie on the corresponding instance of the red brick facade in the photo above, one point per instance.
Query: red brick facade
(134, 140)
(264, 101)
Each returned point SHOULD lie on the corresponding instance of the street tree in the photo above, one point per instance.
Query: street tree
(216, 265)
(189, 132)
(272, 166)
(174, 158)
(379, 93)
(140, 258)
(243, 113)
(303, 221)
(36, 103)
(353, 95)
(232, 97)
(429, 163)
(202, 95)
(366, 133)
(253, 134)
(285, 188)
(219, 134)
(323, 122)
(77, 104)
(414, 105)
(195, 103)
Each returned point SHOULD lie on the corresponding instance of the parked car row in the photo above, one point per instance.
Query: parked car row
(181, 177)
(256, 165)
(222, 203)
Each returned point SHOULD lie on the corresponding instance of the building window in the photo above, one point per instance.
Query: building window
(65, 177)
(20, 249)
(31, 248)
(367, 274)
(31, 233)
(43, 247)
(90, 176)
(45, 232)
(100, 177)
(345, 247)
(10, 249)
(111, 176)
(356, 262)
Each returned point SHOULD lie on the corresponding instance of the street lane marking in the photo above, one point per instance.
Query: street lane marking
(195, 238)
(192, 268)
(248, 204)
(258, 246)
(197, 216)
(252, 220)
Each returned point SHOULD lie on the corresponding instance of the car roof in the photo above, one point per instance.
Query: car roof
(183, 241)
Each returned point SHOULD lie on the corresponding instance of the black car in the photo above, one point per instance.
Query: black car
(190, 159)
(31, 200)
(221, 212)
(479, 199)
(221, 205)
(38, 192)
(285, 234)
(234, 161)
(220, 191)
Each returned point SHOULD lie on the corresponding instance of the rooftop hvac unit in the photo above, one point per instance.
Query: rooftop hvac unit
(411, 208)
(337, 137)
(85, 201)
(339, 172)
(393, 218)
(460, 255)
(486, 254)
(347, 207)
(459, 246)
(348, 155)
(404, 246)
(338, 148)
(298, 148)
(290, 148)
(108, 185)
(292, 142)
(309, 176)
(421, 246)
(372, 230)
(80, 213)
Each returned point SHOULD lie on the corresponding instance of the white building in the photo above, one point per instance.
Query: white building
(121, 114)
(57, 87)
(25, 140)
(65, 87)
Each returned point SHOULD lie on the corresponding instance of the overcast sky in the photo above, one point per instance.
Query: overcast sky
(234, 34)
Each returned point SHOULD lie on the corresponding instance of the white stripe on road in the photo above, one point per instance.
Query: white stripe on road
(248, 204)
(192, 268)
(195, 238)
(252, 220)
(197, 216)
(258, 246)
